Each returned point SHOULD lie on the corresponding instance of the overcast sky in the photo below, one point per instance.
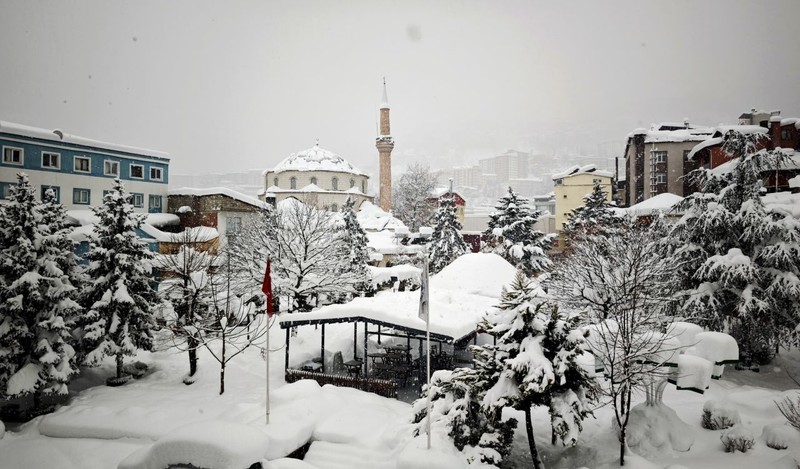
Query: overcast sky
(233, 85)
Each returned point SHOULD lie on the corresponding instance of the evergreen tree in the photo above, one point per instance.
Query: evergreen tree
(739, 262)
(36, 276)
(354, 241)
(446, 241)
(119, 300)
(595, 215)
(536, 355)
(512, 236)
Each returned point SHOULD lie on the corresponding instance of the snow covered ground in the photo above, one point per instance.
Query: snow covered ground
(102, 426)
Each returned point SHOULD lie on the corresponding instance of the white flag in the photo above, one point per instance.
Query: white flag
(423, 293)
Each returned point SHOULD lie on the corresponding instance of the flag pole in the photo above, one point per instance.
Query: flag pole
(428, 350)
(267, 360)
(266, 288)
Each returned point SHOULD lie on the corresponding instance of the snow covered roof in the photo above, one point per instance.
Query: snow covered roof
(316, 159)
(87, 217)
(373, 218)
(218, 191)
(59, 136)
(458, 300)
(784, 202)
(658, 203)
(682, 135)
(440, 191)
(742, 129)
(704, 144)
(577, 170)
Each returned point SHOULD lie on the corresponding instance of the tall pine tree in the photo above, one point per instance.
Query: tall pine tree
(740, 263)
(512, 236)
(119, 301)
(37, 269)
(594, 216)
(537, 354)
(446, 241)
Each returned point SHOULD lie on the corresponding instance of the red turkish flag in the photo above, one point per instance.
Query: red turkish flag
(266, 287)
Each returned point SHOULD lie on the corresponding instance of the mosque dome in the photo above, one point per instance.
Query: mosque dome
(316, 159)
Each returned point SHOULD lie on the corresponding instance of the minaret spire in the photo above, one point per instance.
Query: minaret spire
(385, 143)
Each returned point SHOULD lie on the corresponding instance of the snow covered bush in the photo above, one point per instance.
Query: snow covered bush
(790, 408)
(655, 429)
(737, 439)
(512, 236)
(719, 416)
(779, 436)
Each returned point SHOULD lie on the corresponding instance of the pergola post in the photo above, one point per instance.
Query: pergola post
(420, 374)
(288, 339)
(366, 366)
(322, 347)
(355, 341)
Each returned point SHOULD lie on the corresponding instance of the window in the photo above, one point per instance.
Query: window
(661, 178)
(233, 225)
(275, 182)
(81, 164)
(155, 202)
(156, 173)
(364, 187)
(81, 196)
(293, 183)
(137, 171)
(352, 183)
(13, 155)
(138, 200)
(786, 134)
(558, 182)
(334, 208)
(51, 160)
(597, 181)
(5, 189)
(111, 168)
(658, 157)
(56, 192)
(335, 184)
(314, 181)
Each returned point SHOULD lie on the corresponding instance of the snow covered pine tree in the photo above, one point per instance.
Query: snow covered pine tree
(354, 241)
(37, 269)
(595, 215)
(511, 234)
(446, 241)
(119, 300)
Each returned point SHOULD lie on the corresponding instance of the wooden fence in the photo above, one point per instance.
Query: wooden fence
(381, 387)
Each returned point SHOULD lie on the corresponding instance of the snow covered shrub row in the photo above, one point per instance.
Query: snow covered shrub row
(778, 436)
(717, 416)
(737, 439)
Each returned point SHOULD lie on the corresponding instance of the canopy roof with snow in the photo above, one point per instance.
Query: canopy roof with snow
(458, 298)
(316, 158)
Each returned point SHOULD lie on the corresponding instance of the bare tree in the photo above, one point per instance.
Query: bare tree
(190, 274)
(411, 196)
(309, 257)
(621, 285)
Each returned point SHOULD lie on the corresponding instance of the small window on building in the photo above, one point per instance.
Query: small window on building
(658, 157)
(155, 203)
(111, 168)
(156, 173)
(233, 225)
(81, 164)
(786, 134)
(13, 155)
(597, 181)
(335, 184)
(56, 192)
(275, 182)
(81, 196)
(364, 187)
(137, 171)
(334, 208)
(5, 189)
(314, 181)
(51, 160)
(352, 183)
(293, 183)
(661, 178)
(558, 182)
(138, 200)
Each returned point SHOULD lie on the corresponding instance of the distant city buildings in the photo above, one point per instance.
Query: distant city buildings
(80, 170)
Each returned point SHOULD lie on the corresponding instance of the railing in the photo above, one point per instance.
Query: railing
(381, 387)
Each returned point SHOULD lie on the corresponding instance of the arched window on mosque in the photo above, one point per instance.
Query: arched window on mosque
(352, 183)
(335, 184)
(364, 187)
(275, 182)
(314, 181)
(334, 208)
(293, 183)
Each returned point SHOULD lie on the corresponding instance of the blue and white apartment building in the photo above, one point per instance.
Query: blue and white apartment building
(81, 170)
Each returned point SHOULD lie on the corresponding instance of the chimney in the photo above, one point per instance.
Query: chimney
(686, 122)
